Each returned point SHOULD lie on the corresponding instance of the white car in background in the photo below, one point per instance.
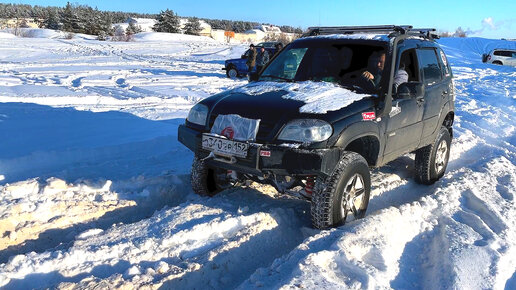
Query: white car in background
(501, 57)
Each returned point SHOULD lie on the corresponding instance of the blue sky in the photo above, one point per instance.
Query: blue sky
(491, 19)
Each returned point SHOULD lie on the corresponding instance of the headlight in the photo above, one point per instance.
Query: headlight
(306, 130)
(198, 114)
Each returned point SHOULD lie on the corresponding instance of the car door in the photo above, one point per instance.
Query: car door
(436, 90)
(404, 124)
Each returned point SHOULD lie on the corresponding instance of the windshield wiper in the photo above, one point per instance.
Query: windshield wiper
(277, 77)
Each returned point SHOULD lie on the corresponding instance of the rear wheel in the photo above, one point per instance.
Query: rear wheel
(207, 181)
(497, 62)
(432, 160)
(231, 72)
(345, 191)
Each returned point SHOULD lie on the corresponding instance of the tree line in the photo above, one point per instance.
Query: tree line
(85, 19)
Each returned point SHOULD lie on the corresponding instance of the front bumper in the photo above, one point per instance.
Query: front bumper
(281, 161)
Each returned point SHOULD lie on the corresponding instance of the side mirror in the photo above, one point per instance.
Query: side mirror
(410, 90)
(254, 76)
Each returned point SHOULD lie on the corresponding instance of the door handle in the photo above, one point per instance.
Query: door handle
(420, 100)
(444, 93)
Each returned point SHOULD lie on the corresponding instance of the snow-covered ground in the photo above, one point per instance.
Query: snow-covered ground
(94, 188)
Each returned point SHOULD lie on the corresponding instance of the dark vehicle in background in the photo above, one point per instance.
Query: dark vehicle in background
(237, 67)
(500, 56)
(264, 132)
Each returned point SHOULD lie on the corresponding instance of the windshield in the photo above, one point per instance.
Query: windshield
(358, 67)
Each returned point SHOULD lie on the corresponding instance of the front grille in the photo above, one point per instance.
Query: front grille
(264, 131)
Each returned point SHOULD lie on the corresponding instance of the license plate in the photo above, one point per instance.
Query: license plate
(224, 146)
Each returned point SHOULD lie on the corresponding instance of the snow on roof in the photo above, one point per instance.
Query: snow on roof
(319, 97)
(204, 24)
(267, 28)
(255, 31)
(146, 24)
(365, 36)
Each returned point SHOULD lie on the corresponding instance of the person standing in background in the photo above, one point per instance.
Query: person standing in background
(251, 58)
(261, 59)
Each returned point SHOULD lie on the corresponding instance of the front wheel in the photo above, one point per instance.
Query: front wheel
(432, 160)
(345, 191)
(231, 72)
(207, 181)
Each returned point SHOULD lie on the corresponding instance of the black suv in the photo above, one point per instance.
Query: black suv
(328, 107)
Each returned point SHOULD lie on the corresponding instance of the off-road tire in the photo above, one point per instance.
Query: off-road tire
(425, 163)
(328, 192)
(231, 72)
(203, 179)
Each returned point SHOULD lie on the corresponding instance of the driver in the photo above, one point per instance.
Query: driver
(373, 72)
(368, 78)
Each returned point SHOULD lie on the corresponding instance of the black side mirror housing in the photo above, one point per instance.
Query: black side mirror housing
(410, 90)
(254, 76)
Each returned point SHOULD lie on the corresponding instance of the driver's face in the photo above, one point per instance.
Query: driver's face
(381, 62)
(378, 62)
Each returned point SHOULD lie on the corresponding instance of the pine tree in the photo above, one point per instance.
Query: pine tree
(90, 21)
(105, 26)
(167, 22)
(193, 26)
(70, 20)
(52, 20)
(132, 29)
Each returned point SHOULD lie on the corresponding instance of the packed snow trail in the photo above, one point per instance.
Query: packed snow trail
(111, 206)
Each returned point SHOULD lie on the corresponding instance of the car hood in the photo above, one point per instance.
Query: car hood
(235, 60)
(275, 103)
(256, 105)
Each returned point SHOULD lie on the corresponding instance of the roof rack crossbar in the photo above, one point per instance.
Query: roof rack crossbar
(396, 29)
(353, 29)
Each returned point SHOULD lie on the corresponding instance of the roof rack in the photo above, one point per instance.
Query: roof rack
(392, 30)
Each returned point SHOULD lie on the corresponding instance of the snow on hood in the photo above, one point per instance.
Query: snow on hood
(319, 97)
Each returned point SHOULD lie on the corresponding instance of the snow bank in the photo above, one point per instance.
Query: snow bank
(6, 35)
(28, 209)
(476, 45)
(48, 33)
(175, 37)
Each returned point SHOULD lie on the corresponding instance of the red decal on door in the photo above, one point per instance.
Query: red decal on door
(228, 132)
(265, 153)
(368, 116)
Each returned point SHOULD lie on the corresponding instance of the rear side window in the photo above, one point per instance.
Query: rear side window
(503, 53)
(445, 66)
(430, 66)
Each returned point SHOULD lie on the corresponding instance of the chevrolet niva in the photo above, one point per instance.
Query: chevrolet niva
(329, 106)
